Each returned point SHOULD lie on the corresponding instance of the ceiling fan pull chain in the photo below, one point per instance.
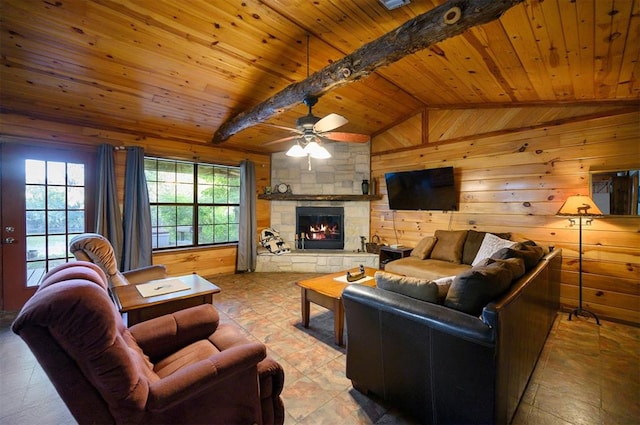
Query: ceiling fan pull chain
(312, 131)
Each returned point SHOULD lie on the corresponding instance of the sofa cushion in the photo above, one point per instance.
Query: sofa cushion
(449, 245)
(473, 242)
(444, 283)
(531, 254)
(490, 244)
(516, 265)
(191, 354)
(470, 291)
(421, 289)
(424, 269)
(424, 248)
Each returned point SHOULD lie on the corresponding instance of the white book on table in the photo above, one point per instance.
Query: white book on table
(161, 287)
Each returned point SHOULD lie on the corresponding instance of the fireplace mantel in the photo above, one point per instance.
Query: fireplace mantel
(300, 197)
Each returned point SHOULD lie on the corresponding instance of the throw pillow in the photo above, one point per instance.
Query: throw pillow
(490, 244)
(529, 253)
(424, 248)
(473, 289)
(449, 245)
(444, 283)
(420, 289)
(516, 265)
(473, 242)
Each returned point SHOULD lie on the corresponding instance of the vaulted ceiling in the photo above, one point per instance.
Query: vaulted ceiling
(178, 70)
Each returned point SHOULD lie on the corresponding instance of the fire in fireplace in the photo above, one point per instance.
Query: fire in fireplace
(319, 227)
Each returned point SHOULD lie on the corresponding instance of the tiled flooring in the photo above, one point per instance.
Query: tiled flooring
(586, 374)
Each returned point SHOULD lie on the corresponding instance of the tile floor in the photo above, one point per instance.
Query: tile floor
(586, 374)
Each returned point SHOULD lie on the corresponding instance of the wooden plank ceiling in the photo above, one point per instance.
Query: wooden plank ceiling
(177, 70)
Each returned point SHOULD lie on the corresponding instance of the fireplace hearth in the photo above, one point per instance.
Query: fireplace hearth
(319, 228)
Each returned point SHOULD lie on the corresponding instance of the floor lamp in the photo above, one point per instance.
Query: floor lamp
(580, 206)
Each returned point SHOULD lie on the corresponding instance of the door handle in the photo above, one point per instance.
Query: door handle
(10, 240)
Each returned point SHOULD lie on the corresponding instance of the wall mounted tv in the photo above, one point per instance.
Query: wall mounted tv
(431, 189)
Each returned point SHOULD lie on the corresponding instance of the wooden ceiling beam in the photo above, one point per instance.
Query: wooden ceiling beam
(447, 20)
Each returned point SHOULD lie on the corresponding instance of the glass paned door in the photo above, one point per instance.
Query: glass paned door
(46, 200)
(54, 210)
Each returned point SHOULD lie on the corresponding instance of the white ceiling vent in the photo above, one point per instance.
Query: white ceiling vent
(393, 4)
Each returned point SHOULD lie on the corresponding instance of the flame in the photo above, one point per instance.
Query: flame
(322, 231)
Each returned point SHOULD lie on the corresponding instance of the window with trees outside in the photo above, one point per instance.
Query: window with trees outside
(54, 208)
(192, 204)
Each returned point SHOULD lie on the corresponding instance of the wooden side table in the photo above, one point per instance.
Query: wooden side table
(138, 308)
(388, 253)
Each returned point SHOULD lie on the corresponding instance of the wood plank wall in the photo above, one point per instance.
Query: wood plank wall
(514, 167)
(205, 261)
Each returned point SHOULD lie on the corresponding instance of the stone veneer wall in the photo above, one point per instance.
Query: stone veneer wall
(342, 174)
(315, 261)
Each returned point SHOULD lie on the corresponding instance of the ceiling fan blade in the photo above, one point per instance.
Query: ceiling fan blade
(284, 139)
(282, 127)
(346, 137)
(330, 122)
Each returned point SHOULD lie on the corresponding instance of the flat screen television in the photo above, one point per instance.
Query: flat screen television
(431, 189)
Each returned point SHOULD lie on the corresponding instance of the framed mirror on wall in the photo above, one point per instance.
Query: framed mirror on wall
(616, 192)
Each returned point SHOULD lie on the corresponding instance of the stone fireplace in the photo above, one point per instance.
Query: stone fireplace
(319, 228)
(342, 174)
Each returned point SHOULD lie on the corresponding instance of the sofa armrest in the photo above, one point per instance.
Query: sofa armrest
(490, 311)
(431, 315)
(163, 335)
(193, 380)
(227, 336)
(145, 274)
(523, 319)
(424, 358)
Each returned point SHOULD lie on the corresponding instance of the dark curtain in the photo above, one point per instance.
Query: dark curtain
(247, 238)
(108, 217)
(137, 250)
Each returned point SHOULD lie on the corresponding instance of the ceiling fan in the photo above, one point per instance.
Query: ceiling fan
(310, 128)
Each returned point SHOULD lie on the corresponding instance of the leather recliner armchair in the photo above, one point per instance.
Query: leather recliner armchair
(97, 249)
(180, 368)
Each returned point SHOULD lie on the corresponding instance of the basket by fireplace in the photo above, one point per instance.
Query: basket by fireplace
(373, 247)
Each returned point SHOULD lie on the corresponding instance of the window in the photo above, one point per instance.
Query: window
(54, 213)
(192, 204)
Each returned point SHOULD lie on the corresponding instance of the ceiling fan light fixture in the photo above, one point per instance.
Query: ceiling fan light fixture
(312, 129)
(296, 151)
(314, 150)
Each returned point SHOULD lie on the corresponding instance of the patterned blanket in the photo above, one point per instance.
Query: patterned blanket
(270, 239)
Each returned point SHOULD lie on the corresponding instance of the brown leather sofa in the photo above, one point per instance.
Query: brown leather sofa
(441, 365)
(179, 368)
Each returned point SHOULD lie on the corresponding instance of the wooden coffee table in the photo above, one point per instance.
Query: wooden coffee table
(139, 308)
(325, 291)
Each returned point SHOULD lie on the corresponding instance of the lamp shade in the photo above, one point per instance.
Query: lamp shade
(316, 151)
(579, 205)
(296, 151)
